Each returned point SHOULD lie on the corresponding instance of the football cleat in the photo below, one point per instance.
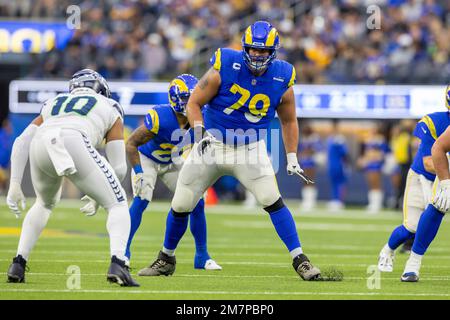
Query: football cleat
(119, 273)
(412, 268)
(16, 271)
(210, 264)
(305, 269)
(386, 261)
(410, 277)
(164, 265)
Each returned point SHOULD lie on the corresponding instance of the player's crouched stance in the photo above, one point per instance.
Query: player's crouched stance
(152, 150)
(431, 218)
(242, 91)
(61, 142)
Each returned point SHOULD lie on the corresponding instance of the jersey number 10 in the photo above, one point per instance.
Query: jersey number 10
(86, 104)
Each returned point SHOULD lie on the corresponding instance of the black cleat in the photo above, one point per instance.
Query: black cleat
(305, 269)
(163, 266)
(16, 271)
(119, 273)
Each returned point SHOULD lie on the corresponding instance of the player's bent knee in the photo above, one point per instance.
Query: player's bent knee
(47, 205)
(275, 206)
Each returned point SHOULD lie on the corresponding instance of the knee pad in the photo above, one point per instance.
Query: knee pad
(183, 200)
(275, 206)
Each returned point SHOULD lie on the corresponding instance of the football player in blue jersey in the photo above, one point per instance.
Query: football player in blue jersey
(431, 218)
(242, 91)
(417, 194)
(151, 149)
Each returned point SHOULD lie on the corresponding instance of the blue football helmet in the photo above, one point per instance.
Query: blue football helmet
(180, 90)
(260, 35)
(88, 78)
(447, 97)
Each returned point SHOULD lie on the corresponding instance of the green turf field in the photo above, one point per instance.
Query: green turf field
(255, 263)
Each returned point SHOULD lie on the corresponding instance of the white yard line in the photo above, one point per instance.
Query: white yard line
(218, 275)
(197, 293)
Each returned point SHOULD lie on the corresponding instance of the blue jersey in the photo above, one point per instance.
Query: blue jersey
(428, 129)
(162, 122)
(245, 101)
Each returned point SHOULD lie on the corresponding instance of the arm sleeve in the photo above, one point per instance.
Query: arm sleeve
(20, 153)
(115, 152)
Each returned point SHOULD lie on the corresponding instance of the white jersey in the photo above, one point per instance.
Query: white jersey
(83, 110)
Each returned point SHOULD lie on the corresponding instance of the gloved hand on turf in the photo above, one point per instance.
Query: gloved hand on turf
(90, 208)
(293, 167)
(15, 198)
(442, 198)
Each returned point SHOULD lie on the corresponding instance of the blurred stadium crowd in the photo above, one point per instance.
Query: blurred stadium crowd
(327, 40)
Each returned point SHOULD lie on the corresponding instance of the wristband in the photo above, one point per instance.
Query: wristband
(137, 169)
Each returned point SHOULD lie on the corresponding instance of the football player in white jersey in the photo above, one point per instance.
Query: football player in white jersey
(61, 142)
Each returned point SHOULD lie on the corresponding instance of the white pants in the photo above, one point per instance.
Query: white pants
(250, 164)
(416, 199)
(94, 176)
(168, 173)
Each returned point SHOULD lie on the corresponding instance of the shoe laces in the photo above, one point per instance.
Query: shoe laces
(158, 263)
(305, 266)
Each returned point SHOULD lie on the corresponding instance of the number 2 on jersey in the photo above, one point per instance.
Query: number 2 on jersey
(83, 108)
(255, 114)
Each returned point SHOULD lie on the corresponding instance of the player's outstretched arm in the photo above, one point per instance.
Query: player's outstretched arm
(441, 197)
(115, 149)
(289, 127)
(139, 137)
(206, 89)
(439, 154)
(19, 159)
(288, 118)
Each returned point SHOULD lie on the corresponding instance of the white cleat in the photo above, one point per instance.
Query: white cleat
(386, 261)
(210, 264)
(412, 268)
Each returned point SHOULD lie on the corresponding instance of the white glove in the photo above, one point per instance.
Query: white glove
(293, 167)
(138, 184)
(15, 198)
(442, 198)
(90, 208)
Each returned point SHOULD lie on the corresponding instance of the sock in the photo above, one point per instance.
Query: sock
(427, 229)
(285, 226)
(136, 210)
(175, 229)
(118, 226)
(198, 229)
(33, 224)
(399, 236)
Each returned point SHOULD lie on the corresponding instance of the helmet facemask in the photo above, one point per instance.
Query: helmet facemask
(258, 64)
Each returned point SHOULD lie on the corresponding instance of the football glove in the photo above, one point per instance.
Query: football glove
(203, 139)
(442, 198)
(15, 199)
(293, 167)
(91, 206)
